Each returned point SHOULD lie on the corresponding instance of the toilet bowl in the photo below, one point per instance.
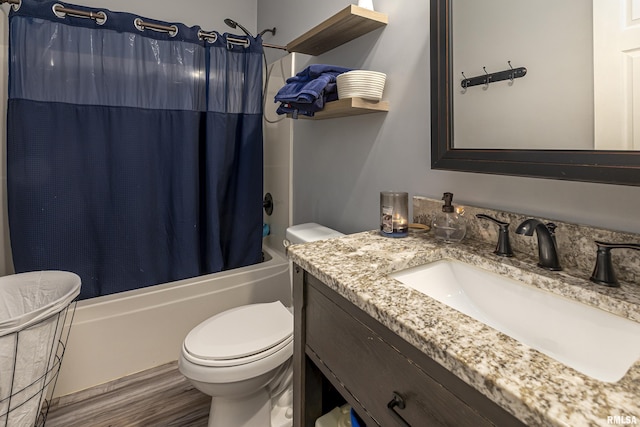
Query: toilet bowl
(242, 357)
(235, 357)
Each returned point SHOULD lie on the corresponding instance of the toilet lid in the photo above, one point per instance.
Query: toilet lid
(240, 332)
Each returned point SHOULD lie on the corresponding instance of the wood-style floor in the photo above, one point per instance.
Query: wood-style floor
(158, 397)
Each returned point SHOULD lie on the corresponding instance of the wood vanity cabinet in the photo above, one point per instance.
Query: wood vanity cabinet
(344, 355)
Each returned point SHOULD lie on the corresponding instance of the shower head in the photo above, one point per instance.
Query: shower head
(233, 24)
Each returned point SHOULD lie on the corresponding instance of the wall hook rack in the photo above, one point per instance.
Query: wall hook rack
(510, 74)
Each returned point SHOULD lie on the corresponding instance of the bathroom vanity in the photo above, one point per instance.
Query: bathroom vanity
(386, 379)
(399, 357)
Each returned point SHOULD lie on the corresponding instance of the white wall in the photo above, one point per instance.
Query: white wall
(278, 139)
(341, 165)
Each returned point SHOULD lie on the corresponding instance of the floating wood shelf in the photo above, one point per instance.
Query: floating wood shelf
(346, 25)
(348, 107)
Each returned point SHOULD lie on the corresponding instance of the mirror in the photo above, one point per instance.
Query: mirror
(568, 154)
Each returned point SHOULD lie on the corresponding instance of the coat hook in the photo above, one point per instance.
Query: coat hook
(486, 79)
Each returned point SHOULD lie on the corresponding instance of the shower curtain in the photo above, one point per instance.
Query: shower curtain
(134, 156)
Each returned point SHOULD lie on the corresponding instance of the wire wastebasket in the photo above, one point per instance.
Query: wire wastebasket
(36, 311)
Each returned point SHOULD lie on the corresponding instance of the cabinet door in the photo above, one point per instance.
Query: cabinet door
(372, 370)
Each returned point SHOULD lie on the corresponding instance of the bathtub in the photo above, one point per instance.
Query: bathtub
(117, 335)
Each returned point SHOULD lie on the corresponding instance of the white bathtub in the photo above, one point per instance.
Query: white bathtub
(120, 334)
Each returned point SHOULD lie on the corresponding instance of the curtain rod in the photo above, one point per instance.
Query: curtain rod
(275, 46)
(60, 11)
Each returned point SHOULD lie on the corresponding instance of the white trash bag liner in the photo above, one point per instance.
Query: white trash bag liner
(27, 298)
(33, 308)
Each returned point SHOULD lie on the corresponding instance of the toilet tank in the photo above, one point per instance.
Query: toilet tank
(309, 232)
(304, 233)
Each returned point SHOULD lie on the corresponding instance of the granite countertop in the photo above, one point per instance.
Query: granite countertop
(535, 388)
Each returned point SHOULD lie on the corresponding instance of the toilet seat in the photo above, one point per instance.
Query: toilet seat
(240, 335)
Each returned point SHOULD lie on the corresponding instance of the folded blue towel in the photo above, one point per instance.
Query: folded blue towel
(306, 108)
(309, 83)
(295, 109)
(305, 90)
(316, 70)
(308, 91)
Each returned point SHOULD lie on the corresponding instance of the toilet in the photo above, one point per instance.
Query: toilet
(242, 357)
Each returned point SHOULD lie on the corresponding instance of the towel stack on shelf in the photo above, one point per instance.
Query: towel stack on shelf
(308, 91)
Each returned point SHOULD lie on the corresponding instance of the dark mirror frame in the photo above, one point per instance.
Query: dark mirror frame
(611, 167)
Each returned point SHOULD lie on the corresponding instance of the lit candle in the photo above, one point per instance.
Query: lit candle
(394, 214)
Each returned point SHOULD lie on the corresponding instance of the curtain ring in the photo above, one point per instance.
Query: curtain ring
(235, 41)
(209, 37)
(174, 31)
(137, 22)
(100, 18)
(16, 6)
(59, 14)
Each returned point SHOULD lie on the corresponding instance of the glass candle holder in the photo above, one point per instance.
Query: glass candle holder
(394, 214)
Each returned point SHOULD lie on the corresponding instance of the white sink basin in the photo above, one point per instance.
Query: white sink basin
(594, 342)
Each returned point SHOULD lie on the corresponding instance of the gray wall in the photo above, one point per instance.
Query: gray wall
(341, 165)
(532, 35)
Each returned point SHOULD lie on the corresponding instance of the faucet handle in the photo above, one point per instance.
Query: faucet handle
(503, 248)
(603, 273)
(551, 227)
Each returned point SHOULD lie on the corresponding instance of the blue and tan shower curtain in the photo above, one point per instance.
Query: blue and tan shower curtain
(134, 156)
